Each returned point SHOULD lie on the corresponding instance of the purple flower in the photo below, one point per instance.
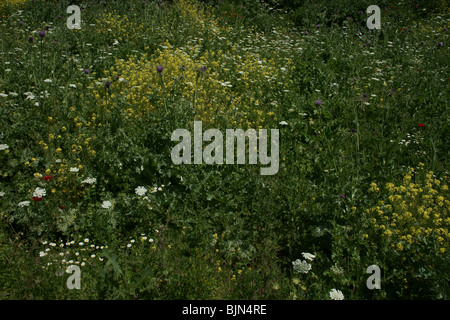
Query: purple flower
(59, 17)
(365, 95)
(107, 84)
(306, 32)
(342, 196)
(86, 71)
(47, 28)
(441, 44)
(42, 33)
(353, 130)
(445, 29)
(318, 26)
(31, 39)
(355, 79)
(117, 77)
(21, 22)
(318, 102)
(159, 69)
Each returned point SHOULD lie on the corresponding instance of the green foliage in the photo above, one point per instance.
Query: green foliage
(354, 107)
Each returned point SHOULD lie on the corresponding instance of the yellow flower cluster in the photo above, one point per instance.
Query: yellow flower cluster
(119, 27)
(415, 214)
(11, 3)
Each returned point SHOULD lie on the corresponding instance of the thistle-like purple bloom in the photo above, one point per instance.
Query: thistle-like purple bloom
(306, 32)
(353, 130)
(21, 22)
(107, 84)
(441, 44)
(42, 33)
(318, 102)
(31, 39)
(86, 71)
(342, 196)
(159, 69)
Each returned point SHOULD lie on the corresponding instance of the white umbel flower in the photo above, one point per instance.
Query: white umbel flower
(308, 256)
(301, 266)
(336, 294)
(106, 204)
(89, 181)
(140, 191)
(23, 204)
(3, 147)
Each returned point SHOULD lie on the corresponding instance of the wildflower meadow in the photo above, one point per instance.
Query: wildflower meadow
(224, 150)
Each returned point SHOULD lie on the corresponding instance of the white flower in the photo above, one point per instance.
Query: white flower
(283, 123)
(2, 193)
(3, 95)
(39, 192)
(301, 266)
(92, 255)
(150, 240)
(89, 181)
(42, 254)
(337, 269)
(72, 86)
(308, 256)
(74, 169)
(82, 264)
(140, 191)
(106, 204)
(23, 204)
(3, 147)
(336, 294)
(129, 245)
(86, 240)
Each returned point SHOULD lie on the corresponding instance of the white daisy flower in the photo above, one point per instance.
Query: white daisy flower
(39, 192)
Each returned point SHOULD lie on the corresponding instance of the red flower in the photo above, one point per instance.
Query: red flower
(421, 125)
(37, 199)
(62, 207)
(47, 178)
